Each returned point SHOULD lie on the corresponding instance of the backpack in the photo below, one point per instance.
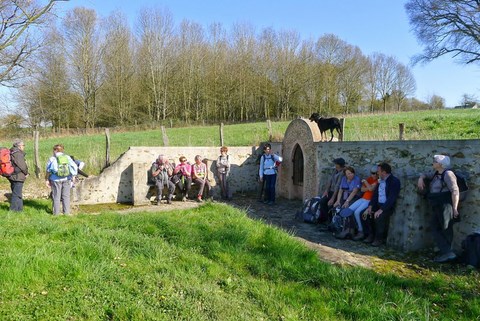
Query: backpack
(63, 166)
(336, 226)
(311, 210)
(471, 250)
(6, 167)
(461, 182)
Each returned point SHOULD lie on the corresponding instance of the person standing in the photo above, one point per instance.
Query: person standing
(20, 173)
(382, 205)
(223, 171)
(268, 171)
(444, 199)
(60, 170)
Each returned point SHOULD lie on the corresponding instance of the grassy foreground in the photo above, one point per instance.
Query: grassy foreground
(211, 263)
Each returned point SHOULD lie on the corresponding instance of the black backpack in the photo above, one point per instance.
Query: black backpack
(461, 182)
(471, 250)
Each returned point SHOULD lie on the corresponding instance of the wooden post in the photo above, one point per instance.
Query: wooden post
(107, 155)
(269, 126)
(171, 123)
(342, 125)
(221, 134)
(164, 136)
(36, 153)
(401, 131)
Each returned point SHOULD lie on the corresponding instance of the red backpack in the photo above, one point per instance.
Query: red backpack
(6, 168)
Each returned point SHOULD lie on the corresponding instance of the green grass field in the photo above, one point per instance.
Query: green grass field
(211, 263)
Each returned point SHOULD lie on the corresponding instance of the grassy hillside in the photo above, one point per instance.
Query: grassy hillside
(211, 263)
(439, 124)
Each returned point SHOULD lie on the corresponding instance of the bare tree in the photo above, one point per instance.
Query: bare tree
(85, 50)
(118, 90)
(155, 33)
(446, 27)
(17, 42)
(436, 102)
(404, 85)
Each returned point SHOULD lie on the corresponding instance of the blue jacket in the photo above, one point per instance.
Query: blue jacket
(392, 189)
(52, 168)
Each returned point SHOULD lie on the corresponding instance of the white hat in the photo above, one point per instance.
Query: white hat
(442, 159)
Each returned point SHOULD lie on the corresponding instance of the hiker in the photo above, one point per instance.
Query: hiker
(161, 171)
(347, 194)
(199, 177)
(444, 200)
(20, 173)
(182, 174)
(223, 171)
(331, 189)
(382, 205)
(268, 172)
(59, 172)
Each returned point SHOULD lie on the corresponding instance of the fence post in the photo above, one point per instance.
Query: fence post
(164, 136)
(36, 153)
(342, 125)
(221, 134)
(269, 126)
(107, 155)
(401, 131)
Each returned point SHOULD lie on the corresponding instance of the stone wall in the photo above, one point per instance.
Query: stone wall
(410, 224)
(125, 181)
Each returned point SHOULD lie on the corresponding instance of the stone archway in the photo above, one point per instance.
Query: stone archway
(300, 137)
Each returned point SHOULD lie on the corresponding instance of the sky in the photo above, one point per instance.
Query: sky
(372, 25)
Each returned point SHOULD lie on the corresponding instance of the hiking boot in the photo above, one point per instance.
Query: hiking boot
(169, 201)
(369, 239)
(360, 236)
(199, 199)
(445, 257)
(184, 199)
(343, 234)
(271, 203)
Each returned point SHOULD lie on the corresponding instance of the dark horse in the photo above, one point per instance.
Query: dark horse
(325, 124)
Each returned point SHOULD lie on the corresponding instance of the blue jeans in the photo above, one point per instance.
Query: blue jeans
(270, 181)
(16, 203)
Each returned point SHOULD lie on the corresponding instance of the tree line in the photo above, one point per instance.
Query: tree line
(91, 71)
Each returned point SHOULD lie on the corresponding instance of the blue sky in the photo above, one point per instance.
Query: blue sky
(372, 25)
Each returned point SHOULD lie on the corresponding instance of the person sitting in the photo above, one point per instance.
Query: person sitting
(348, 194)
(331, 189)
(161, 171)
(199, 177)
(368, 187)
(183, 172)
(382, 205)
(444, 201)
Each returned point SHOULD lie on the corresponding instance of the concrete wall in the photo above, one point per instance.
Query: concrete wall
(125, 181)
(410, 228)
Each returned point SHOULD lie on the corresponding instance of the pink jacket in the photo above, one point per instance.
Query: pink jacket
(185, 168)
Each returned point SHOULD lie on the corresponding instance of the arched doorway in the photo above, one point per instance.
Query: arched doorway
(298, 169)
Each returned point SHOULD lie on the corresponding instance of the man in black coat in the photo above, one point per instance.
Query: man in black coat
(382, 205)
(20, 173)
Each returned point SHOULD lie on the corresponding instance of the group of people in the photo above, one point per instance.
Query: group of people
(168, 177)
(61, 172)
(366, 205)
